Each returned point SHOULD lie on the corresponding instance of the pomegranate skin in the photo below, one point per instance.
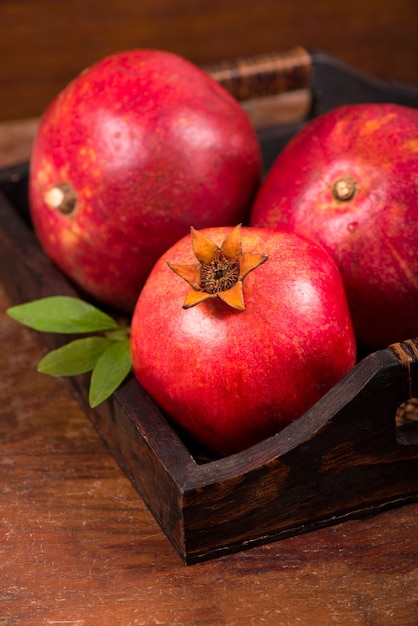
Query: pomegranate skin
(373, 234)
(232, 378)
(146, 144)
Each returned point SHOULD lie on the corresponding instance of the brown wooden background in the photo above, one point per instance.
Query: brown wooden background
(45, 43)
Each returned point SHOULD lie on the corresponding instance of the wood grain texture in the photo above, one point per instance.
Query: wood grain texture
(45, 43)
(79, 547)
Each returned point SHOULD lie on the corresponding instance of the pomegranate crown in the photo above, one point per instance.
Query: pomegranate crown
(220, 271)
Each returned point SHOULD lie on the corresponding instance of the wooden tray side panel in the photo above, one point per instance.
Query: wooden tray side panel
(136, 456)
(28, 275)
(353, 466)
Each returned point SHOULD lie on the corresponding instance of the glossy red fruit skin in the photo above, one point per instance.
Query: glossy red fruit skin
(231, 378)
(374, 236)
(151, 144)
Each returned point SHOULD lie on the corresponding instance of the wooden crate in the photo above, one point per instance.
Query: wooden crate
(354, 453)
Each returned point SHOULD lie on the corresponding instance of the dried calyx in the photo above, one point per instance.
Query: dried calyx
(220, 271)
(62, 198)
(344, 188)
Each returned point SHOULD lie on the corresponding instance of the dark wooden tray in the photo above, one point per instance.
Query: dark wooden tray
(354, 453)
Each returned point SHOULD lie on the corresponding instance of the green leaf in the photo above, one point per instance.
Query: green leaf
(77, 357)
(109, 372)
(62, 314)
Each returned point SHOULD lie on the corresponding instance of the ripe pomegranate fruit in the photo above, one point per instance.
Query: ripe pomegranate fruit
(349, 181)
(127, 156)
(253, 330)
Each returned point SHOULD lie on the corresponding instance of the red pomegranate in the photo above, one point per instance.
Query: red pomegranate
(252, 331)
(349, 181)
(134, 150)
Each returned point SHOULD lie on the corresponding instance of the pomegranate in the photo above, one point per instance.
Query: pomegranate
(252, 331)
(127, 156)
(349, 181)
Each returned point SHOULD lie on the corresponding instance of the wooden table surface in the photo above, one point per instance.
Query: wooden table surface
(79, 547)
